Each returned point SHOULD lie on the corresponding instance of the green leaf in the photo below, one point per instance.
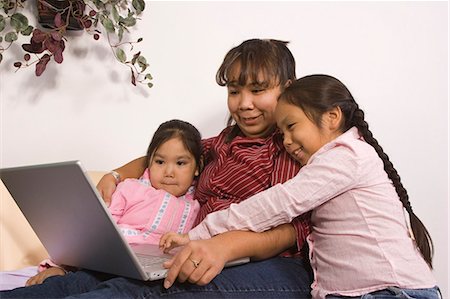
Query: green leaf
(148, 76)
(129, 21)
(27, 31)
(108, 24)
(120, 34)
(10, 37)
(142, 62)
(120, 54)
(135, 57)
(2, 23)
(150, 84)
(139, 6)
(19, 22)
(115, 14)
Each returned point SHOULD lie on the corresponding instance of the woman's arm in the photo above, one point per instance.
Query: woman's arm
(212, 254)
(107, 184)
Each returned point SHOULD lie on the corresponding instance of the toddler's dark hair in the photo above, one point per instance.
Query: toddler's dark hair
(187, 133)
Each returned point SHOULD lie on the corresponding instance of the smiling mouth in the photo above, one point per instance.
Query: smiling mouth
(297, 152)
(249, 119)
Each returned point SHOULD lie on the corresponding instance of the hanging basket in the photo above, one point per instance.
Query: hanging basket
(70, 10)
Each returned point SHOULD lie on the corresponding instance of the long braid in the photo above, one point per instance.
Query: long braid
(421, 234)
(317, 94)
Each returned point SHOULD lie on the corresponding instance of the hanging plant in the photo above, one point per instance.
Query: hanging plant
(56, 17)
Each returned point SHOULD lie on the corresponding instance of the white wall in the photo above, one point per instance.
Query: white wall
(393, 56)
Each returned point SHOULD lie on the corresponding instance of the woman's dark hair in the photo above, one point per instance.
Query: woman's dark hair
(317, 94)
(270, 57)
(255, 57)
(187, 133)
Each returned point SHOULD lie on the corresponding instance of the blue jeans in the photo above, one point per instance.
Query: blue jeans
(397, 293)
(273, 278)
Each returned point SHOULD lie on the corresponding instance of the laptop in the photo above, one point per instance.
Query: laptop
(73, 223)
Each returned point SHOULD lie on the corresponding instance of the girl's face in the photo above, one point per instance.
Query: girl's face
(252, 106)
(172, 167)
(302, 137)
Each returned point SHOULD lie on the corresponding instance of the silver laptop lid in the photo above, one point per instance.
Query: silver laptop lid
(67, 214)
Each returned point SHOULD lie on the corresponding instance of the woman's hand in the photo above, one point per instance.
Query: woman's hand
(171, 240)
(198, 262)
(107, 184)
(106, 187)
(40, 277)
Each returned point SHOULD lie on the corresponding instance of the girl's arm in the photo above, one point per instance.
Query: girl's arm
(316, 183)
(213, 254)
(107, 184)
(119, 201)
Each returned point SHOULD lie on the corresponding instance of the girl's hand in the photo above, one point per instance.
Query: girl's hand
(171, 240)
(198, 262)
(106, 187)
(40, 277)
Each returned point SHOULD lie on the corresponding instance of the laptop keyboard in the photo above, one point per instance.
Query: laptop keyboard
(150, 260)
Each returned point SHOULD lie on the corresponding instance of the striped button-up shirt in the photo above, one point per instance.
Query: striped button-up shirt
(245, 166)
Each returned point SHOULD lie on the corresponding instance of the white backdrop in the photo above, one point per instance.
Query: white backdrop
(393, 56)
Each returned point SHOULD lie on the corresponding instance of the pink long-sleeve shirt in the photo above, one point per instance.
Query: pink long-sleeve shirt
(360, 241)
(144, 213)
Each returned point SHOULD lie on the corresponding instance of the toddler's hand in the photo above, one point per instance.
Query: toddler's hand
(40, 277)
(171, 240)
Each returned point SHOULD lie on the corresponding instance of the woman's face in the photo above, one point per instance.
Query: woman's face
(253, 106)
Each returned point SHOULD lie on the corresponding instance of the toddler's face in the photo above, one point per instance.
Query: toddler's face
(172, 167)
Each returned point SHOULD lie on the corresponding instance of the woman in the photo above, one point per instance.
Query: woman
(244, 159)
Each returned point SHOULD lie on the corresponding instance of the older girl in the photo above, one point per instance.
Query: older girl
(360, 244)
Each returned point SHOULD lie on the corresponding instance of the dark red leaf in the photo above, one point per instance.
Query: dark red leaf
(42, 64)
(26, 57)
(56, 35)
(58, 21)
(96, 36)
(62, 45)
(36, 48)
(87, 24)
(92, 13)
(18, 64)
(51, 45)
(38, 36)
(58, 56)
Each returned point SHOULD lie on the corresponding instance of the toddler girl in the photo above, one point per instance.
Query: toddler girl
(161, 200)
